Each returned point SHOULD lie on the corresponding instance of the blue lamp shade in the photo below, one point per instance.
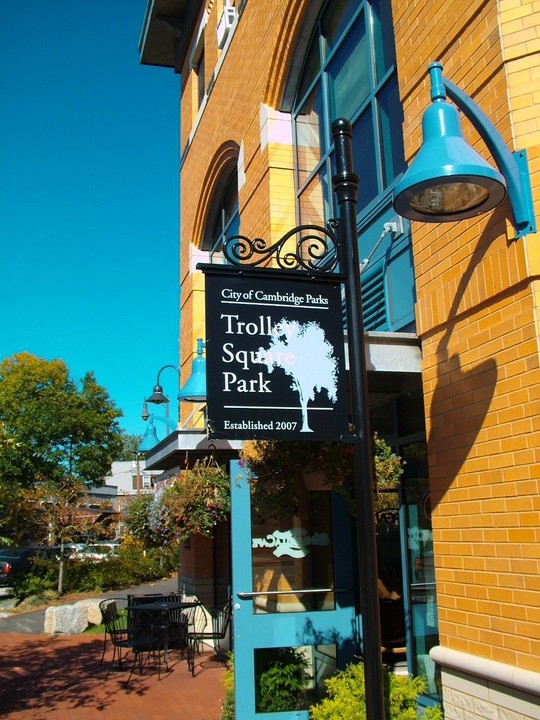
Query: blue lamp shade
(194, 389)
(150, 438)
(447, 180)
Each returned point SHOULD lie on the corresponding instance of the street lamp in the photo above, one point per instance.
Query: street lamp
(448, 180)
(194, 389)
(158, 397)
(320, 251)
(345, 186)
(150, 438)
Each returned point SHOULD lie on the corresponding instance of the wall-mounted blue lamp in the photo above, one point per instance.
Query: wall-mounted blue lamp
(194, 389)
(151, 438)
(448, 180)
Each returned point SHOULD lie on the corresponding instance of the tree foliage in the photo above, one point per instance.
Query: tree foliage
(130, 445)
(64, 515)
(53, 427)
(21, 518)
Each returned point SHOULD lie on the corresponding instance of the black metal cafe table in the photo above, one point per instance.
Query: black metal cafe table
(156, 615)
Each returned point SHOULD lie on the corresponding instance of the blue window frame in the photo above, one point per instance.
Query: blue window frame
(350, 71)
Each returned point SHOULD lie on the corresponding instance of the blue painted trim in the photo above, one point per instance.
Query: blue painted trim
(251, 631)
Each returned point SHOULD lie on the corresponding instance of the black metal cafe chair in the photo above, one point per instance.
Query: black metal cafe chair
(221, 620)
(148, 641)
(129, 632)
(115, 621)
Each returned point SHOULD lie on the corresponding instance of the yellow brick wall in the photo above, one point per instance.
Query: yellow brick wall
(477, 290)
(232, 116)
(477, 315)
(520, 31)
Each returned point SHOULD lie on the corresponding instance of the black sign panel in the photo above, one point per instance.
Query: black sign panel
(275, 364)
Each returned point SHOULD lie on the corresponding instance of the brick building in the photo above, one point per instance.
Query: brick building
(450, 309)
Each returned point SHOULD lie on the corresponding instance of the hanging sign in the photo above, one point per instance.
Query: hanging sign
(275, 364)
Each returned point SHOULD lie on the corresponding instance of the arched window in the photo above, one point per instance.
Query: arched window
(349, 70)
(223, 219)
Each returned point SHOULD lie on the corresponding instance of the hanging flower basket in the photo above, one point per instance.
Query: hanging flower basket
(281, 472)
(199, 498)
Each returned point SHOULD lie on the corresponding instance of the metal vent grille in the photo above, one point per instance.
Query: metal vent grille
(374, 300)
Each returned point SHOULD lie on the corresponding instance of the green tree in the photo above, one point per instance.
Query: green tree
(64, 516)
(57, 428)
(21, 517)
(130, 445)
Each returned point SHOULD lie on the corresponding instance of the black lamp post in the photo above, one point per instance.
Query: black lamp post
(319, 251)
(158, 397)
(345, 185)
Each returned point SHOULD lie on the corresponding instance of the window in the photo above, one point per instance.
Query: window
(201, 82)
(197, 63)
(224, 221)
(349, 71)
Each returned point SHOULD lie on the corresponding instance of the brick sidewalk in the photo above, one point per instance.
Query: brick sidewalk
(59, 678)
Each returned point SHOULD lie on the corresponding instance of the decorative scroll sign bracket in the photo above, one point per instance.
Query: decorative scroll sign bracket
(311, 248)
(275, 352)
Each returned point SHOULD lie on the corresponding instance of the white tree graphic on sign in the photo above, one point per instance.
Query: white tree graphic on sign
(303, 353)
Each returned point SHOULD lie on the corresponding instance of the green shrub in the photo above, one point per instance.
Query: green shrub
(345, 698)
(280, 679)
(130, 567)
(34, 585)
(227, 711)
(43, 578)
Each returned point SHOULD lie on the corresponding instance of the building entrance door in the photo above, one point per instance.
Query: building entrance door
(293, 603)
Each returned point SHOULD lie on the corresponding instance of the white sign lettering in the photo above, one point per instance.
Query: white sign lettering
(294, 542)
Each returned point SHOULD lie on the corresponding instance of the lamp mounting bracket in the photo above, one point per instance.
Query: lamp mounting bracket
(513, 165)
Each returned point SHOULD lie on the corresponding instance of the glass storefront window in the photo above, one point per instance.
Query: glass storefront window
(393, 160)
(335, 20)
(421, 569)
(364, 160)
(350, 72)
(291, 678)
(350, 68)
(348, 75)
(227, 219)
(293, 555)
(310, 70)
(383, 33)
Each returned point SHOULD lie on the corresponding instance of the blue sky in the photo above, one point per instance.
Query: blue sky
(89, 196)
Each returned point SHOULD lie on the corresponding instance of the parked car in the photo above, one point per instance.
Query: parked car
(17, 562)
(55, 551)
(96, 552)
